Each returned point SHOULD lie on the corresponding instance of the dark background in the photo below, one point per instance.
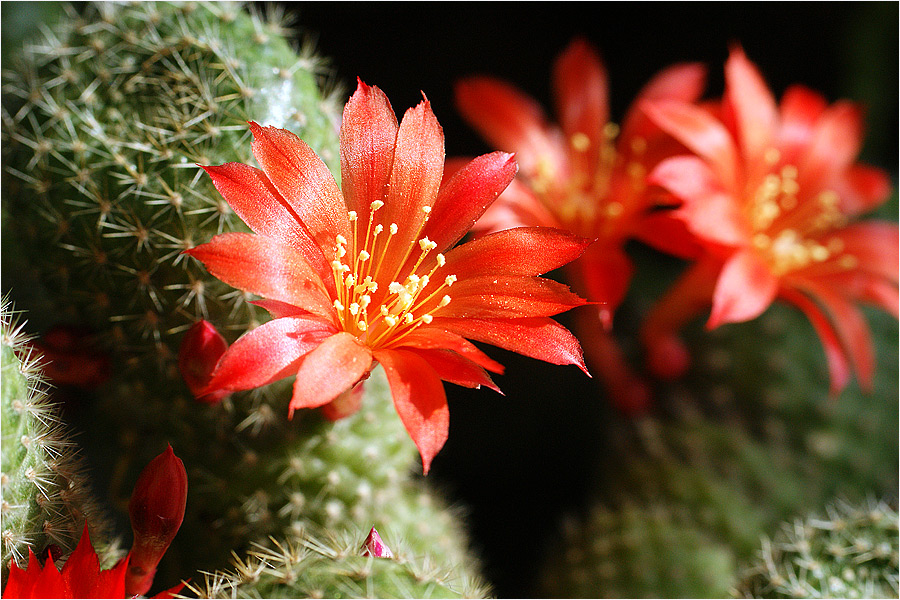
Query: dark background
(518, 461)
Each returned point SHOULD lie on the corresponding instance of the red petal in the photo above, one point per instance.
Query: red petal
(520, 251)
(684, 82)
(538, 337)
(800, 110)
(701, 133)
(874, 244)
(517, 206)
(256, 201)
(709, 211)
(745, 289)
(430, 338)
(280, 309)
(200, 350)
(333, 367)
(82, 569)
(419, 399)
(49, 583)
(303, 181)
(838, 365)
(368, 135)
(582, 98)
(508, 296)
(834, 146)
(667, 233)
(465, 197)
(862, 188)
(268, 353)
(851, 329)
(416, 174)
(456, 369)
(265, 267)
(752, 104)
(605, 272)
(509, 120)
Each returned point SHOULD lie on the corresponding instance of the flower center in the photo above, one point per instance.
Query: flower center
(378, 313)
(789, 231)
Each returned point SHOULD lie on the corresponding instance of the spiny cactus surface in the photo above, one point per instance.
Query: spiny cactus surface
(105, 123)
(45, 500)
(330, 566)
(851, 552)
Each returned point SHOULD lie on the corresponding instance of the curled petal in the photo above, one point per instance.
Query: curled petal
(745, 289)
(537, 337)
(519, 251)
(330, 369)
(419, 399)
(456, 369)
(268, 353)
(430, 338)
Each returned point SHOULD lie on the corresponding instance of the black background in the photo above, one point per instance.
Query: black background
(518, 461)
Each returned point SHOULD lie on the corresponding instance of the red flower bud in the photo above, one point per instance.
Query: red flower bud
(375, 546)
(157, 510)
(200, 351)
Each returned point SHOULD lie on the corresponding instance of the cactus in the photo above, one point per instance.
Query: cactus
(850, 553)
(748, 439)
(105, 122)
(45, 497)
(331, 566)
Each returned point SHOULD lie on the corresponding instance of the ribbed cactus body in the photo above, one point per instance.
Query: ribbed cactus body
(106, 122)
(45, 500)
(748, 439)
(850, 551)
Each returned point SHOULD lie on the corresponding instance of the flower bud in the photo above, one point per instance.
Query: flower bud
(375, 546)
(198, 355)
(156, 510)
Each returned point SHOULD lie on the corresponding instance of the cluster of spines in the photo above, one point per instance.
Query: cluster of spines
(850, 553)
(44, 497)
(315, 564)
(106, 121)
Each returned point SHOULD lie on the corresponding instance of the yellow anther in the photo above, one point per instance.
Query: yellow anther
(338, 306)
(580, 141)
(351, 215)
(789, 172)
(362, 325)
(450, 280)
(610, 131)
(393, 228)
(638, 145)
(772, 156)
(354, 309)
(364, 256)
(408, 318)
(350, 280)
(342, 252)
(395, 287)
(376, 204)
(444, 301)
(378, 229)
(426, 210)
(441, 261)
(341, 240)
(390, 320)
(384, 311)
(365, 301)
(426, 319)
(427, 245)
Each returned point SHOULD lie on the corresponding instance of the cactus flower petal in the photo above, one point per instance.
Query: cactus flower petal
(200, 350)
(390, 274)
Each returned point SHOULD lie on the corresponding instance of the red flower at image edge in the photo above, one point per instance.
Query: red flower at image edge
(80, 577)
(363, 275)
(770, 193)
(587, 177)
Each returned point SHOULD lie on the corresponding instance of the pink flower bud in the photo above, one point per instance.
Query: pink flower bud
(200, 351)
(157, 510)
(375, 546)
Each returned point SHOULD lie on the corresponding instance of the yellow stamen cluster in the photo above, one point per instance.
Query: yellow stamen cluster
(789, 232)
(381, 316)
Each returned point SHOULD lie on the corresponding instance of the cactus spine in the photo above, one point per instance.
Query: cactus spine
(45, 500)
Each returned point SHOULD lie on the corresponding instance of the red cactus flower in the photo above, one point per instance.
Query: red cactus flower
(375, 546)
(366, 274)
(770, 192)
(156, 509)
(585, 176)
(80, 577)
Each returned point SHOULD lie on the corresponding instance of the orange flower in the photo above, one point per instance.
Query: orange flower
(770, 193)
(585, 176)
(367, 274)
